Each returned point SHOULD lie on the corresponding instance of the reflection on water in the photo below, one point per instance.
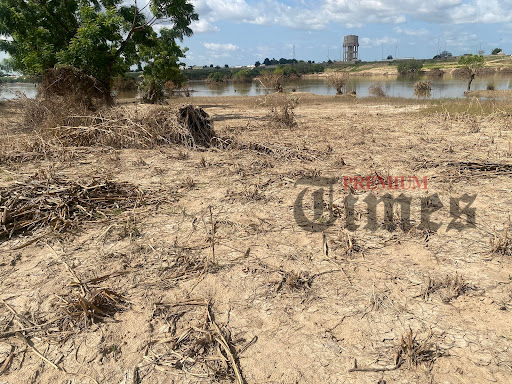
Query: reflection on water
(446, 87)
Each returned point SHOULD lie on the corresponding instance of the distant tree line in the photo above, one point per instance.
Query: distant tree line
(298, 68)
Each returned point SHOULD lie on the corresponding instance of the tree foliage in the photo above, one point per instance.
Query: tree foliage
(216, 78)
(409, 66)
(242, 76)
(495, 51)
(472, 63)
(103, 38)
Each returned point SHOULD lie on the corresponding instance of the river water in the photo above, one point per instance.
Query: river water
(446, 87)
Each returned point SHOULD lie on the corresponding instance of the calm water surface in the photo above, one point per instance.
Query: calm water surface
(445, 87)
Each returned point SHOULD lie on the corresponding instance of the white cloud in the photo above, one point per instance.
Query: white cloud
(316, 15)
(221, 47)
(367, 42)
(411, 32)
(203, 26)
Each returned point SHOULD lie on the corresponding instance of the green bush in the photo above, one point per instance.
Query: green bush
(216, 77)
(242, 76)
(409, 66)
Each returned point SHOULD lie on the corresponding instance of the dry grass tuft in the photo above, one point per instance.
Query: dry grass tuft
(449, 287)
(79, 311)
(413, 352)
(298, 281)
(501, 244)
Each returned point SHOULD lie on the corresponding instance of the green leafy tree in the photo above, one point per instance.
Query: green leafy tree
(103, 38)
(161, 57)
(472, 63)
(495, 51)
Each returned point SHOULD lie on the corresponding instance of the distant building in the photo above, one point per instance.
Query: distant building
(350, 49)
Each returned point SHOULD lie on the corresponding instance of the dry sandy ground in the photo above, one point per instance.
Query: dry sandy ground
(292, 312)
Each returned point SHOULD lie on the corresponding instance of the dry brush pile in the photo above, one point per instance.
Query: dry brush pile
(121, 127)
(194, 344)
(27, 206)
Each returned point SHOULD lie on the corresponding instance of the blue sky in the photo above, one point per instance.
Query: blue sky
(239, 32)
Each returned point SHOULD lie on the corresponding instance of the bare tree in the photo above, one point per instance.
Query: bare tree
(338, 80)
(271, 80)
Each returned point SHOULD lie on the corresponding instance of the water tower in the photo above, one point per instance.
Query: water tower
(350, 48)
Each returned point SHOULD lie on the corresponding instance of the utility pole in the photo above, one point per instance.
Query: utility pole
(293, 51)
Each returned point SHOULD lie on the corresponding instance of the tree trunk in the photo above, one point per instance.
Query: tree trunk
(470, 81)
(107, 86)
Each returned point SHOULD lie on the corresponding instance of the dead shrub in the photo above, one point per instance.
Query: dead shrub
(271, 80)
(64, 96)
(152, 92)
(338, 80)
(75, 85)
(376, 90)
(422, 88)
(491, 87)
(197, 125)
(281, 112)
(410, 351)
